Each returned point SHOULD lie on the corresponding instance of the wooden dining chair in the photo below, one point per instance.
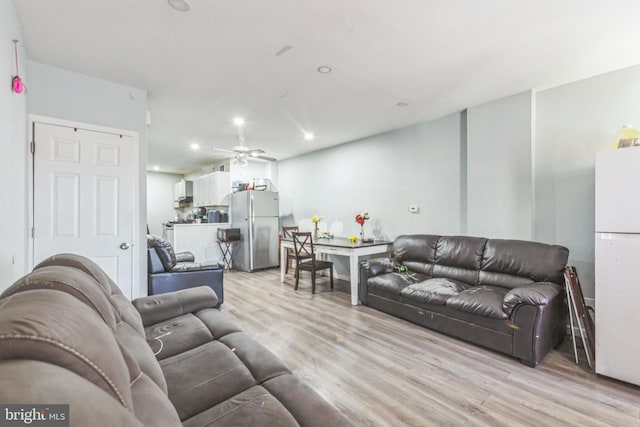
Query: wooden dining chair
(291, 256)
(306, 259)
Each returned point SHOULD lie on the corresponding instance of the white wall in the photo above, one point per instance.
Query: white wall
(62, 94)
(499, 161)
(13, 161)
(573, 122)
(160, 199)
(383, 174)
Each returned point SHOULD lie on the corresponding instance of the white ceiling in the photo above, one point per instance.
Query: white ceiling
(220, 60)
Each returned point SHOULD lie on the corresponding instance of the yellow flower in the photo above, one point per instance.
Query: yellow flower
(352, 239)
(316, 219)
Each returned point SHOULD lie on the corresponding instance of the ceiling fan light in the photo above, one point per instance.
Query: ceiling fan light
(180, 5)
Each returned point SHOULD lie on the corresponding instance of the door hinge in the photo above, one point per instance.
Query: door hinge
(32, 147)
(33, 232)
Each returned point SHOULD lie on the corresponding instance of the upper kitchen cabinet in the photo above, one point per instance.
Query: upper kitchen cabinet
(212, 189)
(183, 191)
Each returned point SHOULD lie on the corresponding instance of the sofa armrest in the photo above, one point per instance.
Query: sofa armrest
(540, 293)
(377, 266)
(157, 308)
(185, 257)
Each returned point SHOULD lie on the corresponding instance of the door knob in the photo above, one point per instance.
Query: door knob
(124, 246)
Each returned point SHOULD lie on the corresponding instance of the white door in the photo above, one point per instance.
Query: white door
(84, 198)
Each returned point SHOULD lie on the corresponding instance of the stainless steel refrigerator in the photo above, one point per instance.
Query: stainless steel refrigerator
(255, 213)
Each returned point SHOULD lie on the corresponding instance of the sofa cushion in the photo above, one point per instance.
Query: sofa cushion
(513, 263)
(196, 266)
(433, 291)
(164, 250)
(459, 257)
(254, 407)
(391, 284)
(204, 376)
(417, 252)
(481, 300)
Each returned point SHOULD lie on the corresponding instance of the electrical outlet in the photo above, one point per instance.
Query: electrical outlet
(414, 208)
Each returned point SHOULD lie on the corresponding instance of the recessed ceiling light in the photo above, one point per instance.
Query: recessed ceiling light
(156, 168)
(308, 136)
(324, 69)
(238, 121)
(195, 146)
(402, 104)
(180, 5)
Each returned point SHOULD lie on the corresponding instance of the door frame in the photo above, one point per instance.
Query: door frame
(135, 253)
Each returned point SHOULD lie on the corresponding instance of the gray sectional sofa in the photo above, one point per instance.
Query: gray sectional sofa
(69, 336)
(506, 295)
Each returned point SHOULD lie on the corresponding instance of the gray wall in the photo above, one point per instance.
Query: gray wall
(58, 93)
(160, 199)
(13, 161)
(574, 121)
(499, 180)
(383, 174)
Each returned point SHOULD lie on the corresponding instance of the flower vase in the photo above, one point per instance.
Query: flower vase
(362, 232)
(315, 232)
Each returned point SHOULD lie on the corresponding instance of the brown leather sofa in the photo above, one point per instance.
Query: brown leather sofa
(169, 271)
(69, 336)
(506, 295)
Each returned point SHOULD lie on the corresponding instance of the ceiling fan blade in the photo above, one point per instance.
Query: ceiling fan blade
(269, 159)
(224, 150)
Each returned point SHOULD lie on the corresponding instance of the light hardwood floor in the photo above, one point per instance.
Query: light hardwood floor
(379, 370)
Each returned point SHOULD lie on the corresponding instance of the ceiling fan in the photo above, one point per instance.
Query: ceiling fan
(241, 152)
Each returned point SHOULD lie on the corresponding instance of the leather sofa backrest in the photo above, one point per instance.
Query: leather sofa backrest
(481, 261)
(459, 258)
(164, 250)
(513, 263)
(417, 252)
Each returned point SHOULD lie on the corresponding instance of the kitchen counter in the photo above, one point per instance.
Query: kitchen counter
(199, 239)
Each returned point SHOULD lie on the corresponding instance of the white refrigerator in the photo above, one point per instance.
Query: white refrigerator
(617, 263)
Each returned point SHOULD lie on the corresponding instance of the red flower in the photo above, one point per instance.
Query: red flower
(360, 219)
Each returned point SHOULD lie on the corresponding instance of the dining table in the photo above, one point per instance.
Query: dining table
(343, 247)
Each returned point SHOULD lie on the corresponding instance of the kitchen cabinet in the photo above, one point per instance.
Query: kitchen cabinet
(182, 190)
(212, 189)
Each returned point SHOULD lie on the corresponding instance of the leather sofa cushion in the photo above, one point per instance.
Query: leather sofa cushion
(417, 252)
(391, 284)
(196, 266)
(481, 300)
(164, 250)
(535, 261)
(460, 251)
(433, 291)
